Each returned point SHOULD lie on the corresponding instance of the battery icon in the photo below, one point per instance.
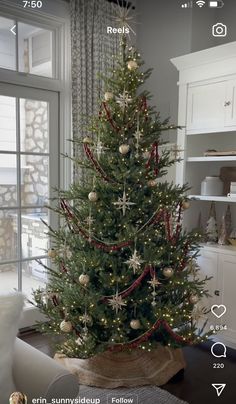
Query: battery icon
(216, 4)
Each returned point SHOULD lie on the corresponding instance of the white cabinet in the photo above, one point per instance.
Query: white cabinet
(208, 263)
(207, 117)
(221, 265)
(205, 107)
(230, 104)
(227, 282)
(211, 107)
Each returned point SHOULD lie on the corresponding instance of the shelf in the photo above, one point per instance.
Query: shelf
(225, 249)
(212, 198)
(210, 158)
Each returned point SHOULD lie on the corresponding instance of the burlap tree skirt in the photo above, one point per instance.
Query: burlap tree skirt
(123, 369)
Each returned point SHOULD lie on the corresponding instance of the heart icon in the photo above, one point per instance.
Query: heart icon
(218, 310)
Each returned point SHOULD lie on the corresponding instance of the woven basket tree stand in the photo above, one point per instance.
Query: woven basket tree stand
(126, 369)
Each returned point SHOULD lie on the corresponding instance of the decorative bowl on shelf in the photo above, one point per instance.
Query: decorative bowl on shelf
(232, 241)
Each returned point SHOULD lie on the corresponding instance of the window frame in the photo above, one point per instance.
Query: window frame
(61, 84)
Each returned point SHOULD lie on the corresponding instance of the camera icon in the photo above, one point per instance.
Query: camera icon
(219, 29)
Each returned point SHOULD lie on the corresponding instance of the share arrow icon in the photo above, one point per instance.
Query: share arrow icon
(219, 388)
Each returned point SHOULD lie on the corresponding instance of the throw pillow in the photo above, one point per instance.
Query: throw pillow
(11, 306)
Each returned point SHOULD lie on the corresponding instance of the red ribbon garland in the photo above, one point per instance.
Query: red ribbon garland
(134, 285)
(101, 245)
(154, 156)
(108, 114)
(145, 337)
(91, 157)
(178, 226)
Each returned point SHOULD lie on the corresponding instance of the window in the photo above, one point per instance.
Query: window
(34, 87)
(27, 48)
(28, 168)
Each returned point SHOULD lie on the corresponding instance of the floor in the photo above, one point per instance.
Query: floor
(196, 386)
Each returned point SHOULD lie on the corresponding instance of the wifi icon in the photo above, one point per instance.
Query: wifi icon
(200, 3)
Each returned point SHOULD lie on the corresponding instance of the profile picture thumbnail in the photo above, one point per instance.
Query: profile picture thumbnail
(18, 398)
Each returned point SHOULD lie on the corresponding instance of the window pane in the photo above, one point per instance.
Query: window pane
(8, 235)
(7, 123)
(34, 126)
(8, 278)
(7, 44)
(34, 237)
(33, 276)
(35, 180)
(8, 180)
(35, 50)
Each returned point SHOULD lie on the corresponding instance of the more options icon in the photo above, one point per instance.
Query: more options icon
(219, 30)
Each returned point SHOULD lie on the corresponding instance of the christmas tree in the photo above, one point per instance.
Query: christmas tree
(120, 276)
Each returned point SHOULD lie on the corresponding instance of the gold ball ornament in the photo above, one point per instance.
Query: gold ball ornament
(152, 183)
(52, 253)
(124, 148)
(66, 326)
(84, 279)
(168, 272)
(87, 140)
(186, 205)
(132, 65)
(93, 196)
(108, 96)
(193, 299)
(135, 324)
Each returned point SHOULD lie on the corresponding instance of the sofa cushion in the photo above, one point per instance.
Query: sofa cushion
(11, 306)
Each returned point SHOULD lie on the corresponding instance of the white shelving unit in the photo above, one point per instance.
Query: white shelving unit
(207, 115)
(227, 199)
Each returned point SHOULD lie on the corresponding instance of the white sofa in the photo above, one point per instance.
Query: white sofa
(38, 375)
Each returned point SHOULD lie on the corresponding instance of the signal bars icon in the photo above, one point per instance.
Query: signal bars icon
(187, 5)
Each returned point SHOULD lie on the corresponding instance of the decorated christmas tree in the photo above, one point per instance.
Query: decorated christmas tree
(120, 273)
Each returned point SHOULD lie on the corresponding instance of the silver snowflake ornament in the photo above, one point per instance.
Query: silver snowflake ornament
(134, 261)
(154, 282)
(100, 148)
(116, 302)
(124, 203)
(124, 100)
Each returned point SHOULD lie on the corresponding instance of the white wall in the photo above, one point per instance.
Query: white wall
(164, 32)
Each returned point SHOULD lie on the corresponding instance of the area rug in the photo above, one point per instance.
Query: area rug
(140, 395)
